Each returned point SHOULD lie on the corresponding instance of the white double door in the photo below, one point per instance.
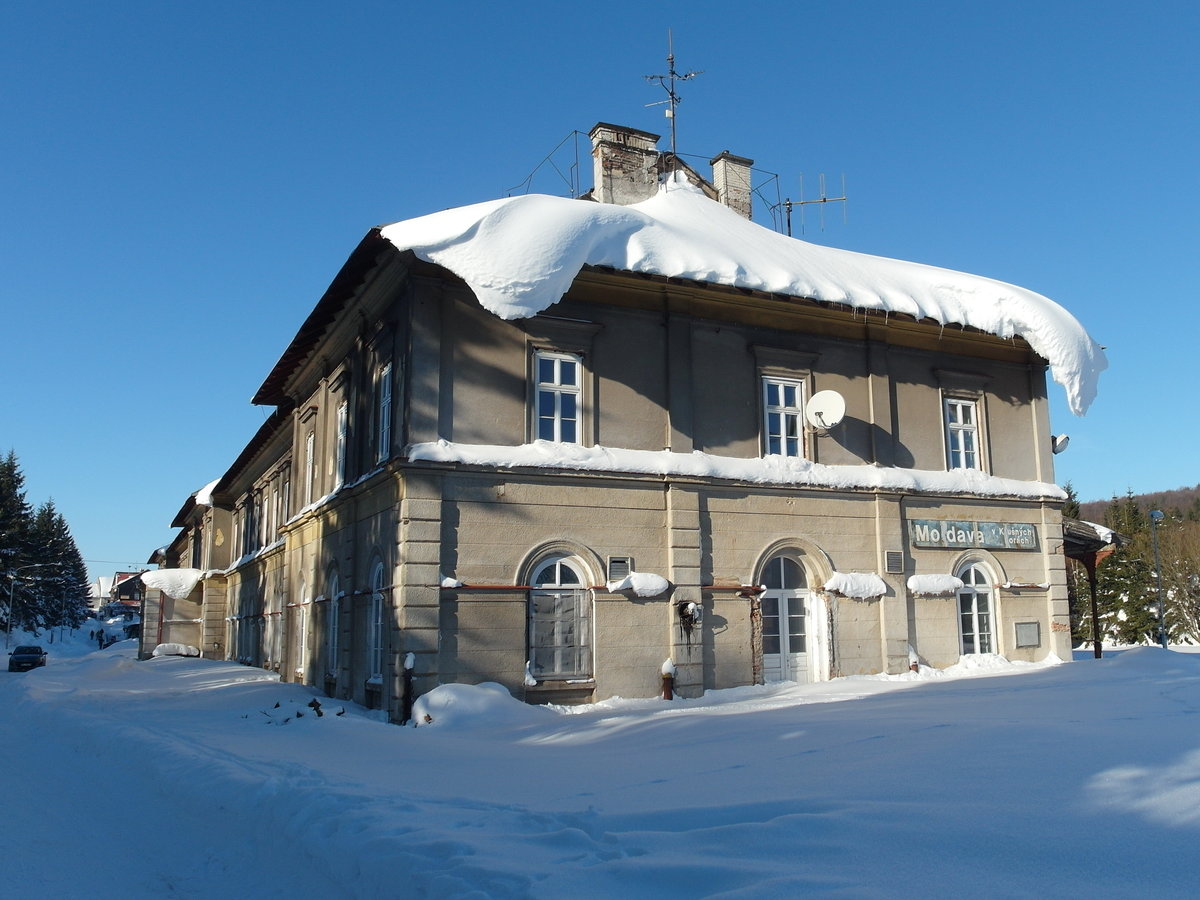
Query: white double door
(786, 641)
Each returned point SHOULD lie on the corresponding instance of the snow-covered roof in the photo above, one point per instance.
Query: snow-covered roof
(175, 583)
(520, 255)
(204, 495)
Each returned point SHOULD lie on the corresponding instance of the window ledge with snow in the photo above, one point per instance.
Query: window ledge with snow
(934, 585)
(856, 585)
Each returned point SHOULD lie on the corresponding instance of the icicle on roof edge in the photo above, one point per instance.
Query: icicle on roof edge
(520, 255)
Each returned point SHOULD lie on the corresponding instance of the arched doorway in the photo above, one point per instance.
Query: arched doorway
(786, 616)
(976, 616)
(560, 620)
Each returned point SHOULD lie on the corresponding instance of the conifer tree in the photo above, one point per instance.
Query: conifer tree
(1126, 593)
(58, 594)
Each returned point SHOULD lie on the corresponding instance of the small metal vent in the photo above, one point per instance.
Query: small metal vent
(894, 562)
(619, 567)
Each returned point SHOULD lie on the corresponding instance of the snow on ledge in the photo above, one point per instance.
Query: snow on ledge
(521, 254)
(771, 470)
(643, 584)
(175, 583)
(934, 585)
(171, 649)
(860, 585)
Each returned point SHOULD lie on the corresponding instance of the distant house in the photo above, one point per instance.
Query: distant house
(561, 445)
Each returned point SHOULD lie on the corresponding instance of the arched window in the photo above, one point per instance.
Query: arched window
(332, 608)
(783, 606)
(975, 610)
(560, 621)
(375, 630)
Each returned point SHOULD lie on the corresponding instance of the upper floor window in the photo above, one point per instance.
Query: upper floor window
(783, 416)
(310, 466)
(339, 450)
(383, 413)
(962, 434)
(557, 396)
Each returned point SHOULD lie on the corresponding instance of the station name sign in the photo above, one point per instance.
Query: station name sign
(956, 535)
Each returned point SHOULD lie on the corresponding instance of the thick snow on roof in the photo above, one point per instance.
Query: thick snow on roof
(175, 583)
(519, 255)
(204, 495)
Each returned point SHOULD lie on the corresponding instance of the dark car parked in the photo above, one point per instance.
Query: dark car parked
(25, 658)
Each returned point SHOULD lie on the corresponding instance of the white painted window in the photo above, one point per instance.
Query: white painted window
(560, 615)
(558, 397)
(383, 413)
(975, 612)
(339, 451)
(310, 466)
(783, 416)
(962, 434)
(783, 606)
(375, 623)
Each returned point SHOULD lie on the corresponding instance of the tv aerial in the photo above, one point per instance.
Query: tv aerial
(825, 410)
(668, 84)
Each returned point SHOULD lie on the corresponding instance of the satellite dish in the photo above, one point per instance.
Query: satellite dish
(825, 409)
(1059, 442)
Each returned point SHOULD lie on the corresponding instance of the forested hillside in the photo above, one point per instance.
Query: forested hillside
(1181, 503)
(1127, 580)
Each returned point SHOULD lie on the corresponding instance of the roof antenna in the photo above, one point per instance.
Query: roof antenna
(789, 203)
(668, 84)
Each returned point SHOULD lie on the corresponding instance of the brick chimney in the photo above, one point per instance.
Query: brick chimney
(731, 178)
(625, 164)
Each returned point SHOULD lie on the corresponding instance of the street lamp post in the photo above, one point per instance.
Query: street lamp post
(1156, 517)
(14, 576)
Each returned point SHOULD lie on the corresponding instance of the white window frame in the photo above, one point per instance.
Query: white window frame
(964, 439)
(977, 621)
(568, 653)
(787, 431)
(339, 447)
(310, 466)
(375, 623)
(383, 413)
(548, 422)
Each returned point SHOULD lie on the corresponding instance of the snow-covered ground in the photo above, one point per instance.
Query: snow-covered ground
(192, 778)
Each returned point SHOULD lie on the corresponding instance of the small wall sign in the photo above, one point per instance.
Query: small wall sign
(955, 535)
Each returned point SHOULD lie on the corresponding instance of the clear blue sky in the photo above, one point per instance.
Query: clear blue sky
(181, 181)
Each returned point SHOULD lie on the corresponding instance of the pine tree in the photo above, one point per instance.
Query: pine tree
(1070, 508)
(15, 514)
(16, 519)
(58, 592)
(1126, 591)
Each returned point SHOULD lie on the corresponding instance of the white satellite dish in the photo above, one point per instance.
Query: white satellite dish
(825, 409)
(1059, 442)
